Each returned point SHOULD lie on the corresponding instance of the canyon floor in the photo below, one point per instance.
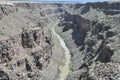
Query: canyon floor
(60, 41)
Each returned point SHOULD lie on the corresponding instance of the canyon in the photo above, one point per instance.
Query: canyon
(60, 41)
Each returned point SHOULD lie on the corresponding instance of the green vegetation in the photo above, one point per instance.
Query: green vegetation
(109, 17)
(59, 70)
(71, 66)
(71, 52)
(71, 63)
(61, 35)
(62, 62)
(97, 62)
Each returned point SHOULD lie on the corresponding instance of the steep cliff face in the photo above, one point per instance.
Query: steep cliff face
(107, 8)
(79, 26)
(26, 46)
(91, 31)
(28, 50)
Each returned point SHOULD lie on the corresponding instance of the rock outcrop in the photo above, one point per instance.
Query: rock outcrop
(91, 37)
(26, 45)
(31, 48)
(6, 9)
(28, 50)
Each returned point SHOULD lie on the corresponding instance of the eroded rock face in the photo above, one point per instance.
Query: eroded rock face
(90, 30)
(97, 49)
(93, 44)
(3, 75)
(30, 44)
(6, 9)
(26, 45)
(30, 38)
(105, 72)
(7, 49)
(79, 26)
(107, 8)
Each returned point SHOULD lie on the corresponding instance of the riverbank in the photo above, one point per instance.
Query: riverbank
(64, 71)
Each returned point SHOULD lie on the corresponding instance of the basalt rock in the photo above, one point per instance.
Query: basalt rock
(4, 76)
(6, 9)
(90, 30)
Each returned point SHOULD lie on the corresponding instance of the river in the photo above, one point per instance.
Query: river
(64, 71)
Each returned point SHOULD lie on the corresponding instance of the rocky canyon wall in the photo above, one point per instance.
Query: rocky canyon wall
(28, 50)
(90, 31)
(26, 46)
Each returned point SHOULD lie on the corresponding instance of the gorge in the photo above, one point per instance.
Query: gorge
(64, 71)
(60, 41)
